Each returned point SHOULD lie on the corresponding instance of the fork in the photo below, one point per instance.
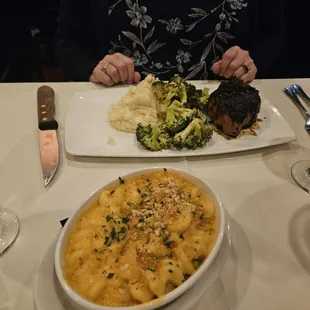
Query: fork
(291, 93)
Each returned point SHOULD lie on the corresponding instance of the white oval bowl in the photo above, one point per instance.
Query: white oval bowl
(80, 303)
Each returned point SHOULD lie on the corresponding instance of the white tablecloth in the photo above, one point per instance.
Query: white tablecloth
(269, 265)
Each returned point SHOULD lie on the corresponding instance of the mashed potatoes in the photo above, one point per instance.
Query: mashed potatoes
(139, 105)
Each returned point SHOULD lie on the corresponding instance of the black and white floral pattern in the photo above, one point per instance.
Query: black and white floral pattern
(143, 45)
(237, 4)
(173, 26)
(138, 16)
(139, 59)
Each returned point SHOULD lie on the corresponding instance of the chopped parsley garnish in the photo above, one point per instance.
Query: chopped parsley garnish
(108, 218)
(139, 190)
(148, 180)
(165, 169)
(181, 236)
(112, 192)
(121, 181)
(202, 216)
(143, 195)
(110, 275)
(113, 233)
(170, 255)
(125, 220)
(150, 269)
(168, 243)
(149, 215)
(178, 211)
(114, 236)
(170, 270)
(141, 220)
(107, 241)
(170, 263)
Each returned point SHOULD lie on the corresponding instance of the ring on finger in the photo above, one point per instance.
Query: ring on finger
(104, 68)
(245, 68)
(113, 73)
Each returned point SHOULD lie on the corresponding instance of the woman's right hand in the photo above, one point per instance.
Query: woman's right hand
(114, 69)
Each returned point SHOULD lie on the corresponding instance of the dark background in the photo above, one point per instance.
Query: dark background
(29, 58)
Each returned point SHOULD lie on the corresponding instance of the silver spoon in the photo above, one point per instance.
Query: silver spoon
(301, 92)
(291, 93)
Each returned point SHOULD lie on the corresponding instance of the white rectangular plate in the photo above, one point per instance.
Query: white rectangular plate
(88, 130)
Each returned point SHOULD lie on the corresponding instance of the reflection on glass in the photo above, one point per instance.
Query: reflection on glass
(9, 228)
(301, 174)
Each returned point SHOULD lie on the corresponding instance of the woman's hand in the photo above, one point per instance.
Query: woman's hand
(236, 62)
(114, 69)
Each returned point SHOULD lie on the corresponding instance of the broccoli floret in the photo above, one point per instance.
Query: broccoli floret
(152, 137)
(178, 118)
(189, 96)
(179, 109)
(197, 98)
(181, 84)
(191, 90)
(172, 94)
(205, 95)
(203, 100)
(177, 79)
(183, 94)
(166, 93)
(179, 89)
(160, 90)
(197, 134)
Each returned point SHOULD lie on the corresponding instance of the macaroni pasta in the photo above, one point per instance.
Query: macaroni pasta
(140, 240)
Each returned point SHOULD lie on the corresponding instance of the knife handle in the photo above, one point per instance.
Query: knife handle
(46, 108)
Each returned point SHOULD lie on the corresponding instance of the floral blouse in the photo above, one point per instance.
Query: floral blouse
(183, 37)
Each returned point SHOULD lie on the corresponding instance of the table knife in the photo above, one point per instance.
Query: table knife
(49, 147)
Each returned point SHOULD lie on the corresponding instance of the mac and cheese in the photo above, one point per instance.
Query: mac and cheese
(140, 240)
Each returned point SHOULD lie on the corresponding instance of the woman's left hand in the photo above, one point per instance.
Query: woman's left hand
(236, 62)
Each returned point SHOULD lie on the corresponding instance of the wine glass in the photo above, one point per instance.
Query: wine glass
(9, 228)
(301, 174)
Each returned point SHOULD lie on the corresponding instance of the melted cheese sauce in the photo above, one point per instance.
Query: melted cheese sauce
(140, 240)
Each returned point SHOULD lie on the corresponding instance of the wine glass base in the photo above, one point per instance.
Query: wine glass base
(9, 228)
(301, 174)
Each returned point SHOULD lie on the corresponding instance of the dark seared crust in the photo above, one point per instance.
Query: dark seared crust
(234, 106)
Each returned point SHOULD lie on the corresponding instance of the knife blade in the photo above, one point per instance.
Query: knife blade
(49, 147)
